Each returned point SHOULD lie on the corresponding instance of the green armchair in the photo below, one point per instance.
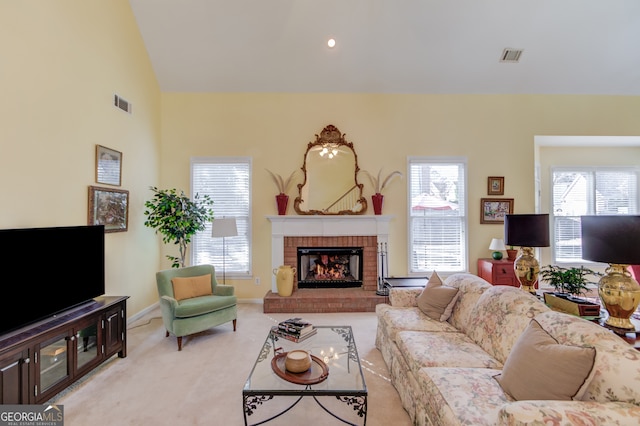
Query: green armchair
(187, 303)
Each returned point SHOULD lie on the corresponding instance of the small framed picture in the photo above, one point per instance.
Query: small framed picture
(493, 210)
(495, 185)
(109, 207)
(108, 166)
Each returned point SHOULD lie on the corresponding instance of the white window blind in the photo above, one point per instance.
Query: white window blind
(588, 191)
(228, 182)
(437, 215)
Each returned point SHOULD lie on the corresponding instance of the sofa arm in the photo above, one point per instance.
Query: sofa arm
(539, 413)
(224, 290)
(404, 297)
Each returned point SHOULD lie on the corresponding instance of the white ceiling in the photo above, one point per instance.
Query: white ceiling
(393, 46)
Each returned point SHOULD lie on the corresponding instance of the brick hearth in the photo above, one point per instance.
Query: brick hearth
(291, 232)
(322, 300)
(360, 299)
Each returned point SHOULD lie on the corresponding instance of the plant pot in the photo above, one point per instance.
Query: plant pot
(512, 254)
(282, 200)
(377, 203)
(572, 305)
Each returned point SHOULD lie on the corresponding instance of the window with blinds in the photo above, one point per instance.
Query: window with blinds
(227, 180)
(588, 191)
(437, 215)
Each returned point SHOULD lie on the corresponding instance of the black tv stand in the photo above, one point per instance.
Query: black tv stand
(41, 360)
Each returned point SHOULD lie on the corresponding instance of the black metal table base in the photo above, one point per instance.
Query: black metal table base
(358, 403)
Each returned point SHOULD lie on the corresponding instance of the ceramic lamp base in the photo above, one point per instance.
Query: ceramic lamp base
(526, 268)
(620, 295)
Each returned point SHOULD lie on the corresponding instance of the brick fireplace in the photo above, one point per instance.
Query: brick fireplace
(290, 232)
(369, 255)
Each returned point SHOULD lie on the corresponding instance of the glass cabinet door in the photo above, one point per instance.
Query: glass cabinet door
(87, 347)
(54, 362)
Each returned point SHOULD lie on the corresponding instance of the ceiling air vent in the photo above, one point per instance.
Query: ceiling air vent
(511, 55)
(122, 103)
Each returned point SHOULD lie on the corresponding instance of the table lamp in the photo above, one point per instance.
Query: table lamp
(614, 240)
(222, 228)
(497, 245)
(526, 231)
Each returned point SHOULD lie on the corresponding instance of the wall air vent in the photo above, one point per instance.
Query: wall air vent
(511, 55)
(122, 103)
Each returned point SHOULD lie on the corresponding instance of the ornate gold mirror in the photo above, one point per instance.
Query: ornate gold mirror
(330, 185)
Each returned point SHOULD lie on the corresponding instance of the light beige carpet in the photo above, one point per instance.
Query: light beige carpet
(202, 385)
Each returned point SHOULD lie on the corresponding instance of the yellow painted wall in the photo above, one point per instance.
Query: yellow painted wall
(495, 132)
(60, 64)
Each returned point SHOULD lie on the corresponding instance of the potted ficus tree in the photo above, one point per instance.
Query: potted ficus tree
(569, 285)
(177, 218)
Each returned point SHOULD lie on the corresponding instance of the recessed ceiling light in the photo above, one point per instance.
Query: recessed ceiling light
(331, 42)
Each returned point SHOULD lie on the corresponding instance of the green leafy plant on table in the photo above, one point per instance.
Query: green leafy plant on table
(572, 281)
(177, 218)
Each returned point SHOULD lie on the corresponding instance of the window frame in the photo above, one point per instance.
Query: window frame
(591, 201)
(462, 162)
(206, 233)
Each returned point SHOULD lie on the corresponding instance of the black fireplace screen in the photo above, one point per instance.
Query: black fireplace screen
(329, 267)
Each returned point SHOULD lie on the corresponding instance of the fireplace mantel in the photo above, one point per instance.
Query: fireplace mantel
(325, 226)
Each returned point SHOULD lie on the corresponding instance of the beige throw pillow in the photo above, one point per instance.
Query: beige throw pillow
(540, 368)
(188, 287)
(436, 300)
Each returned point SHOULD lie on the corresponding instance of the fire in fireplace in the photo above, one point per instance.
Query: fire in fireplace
(329, 267)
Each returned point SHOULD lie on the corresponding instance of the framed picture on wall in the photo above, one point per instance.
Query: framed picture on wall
(495, 185)
(493, 210)
(108, 166)
(109, 207)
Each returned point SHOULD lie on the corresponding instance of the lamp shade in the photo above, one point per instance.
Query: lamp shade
(224, 227)
(497, 244)
(611, 239)
(526, 230)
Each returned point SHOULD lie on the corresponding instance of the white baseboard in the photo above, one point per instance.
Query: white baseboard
(150, 308)
(254, 301)
(142, 313)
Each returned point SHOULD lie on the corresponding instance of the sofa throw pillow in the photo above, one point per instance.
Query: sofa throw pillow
(539, 368)
(188, 287)
(436, 300)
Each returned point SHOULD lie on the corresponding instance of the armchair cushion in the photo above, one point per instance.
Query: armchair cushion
(203, 305)
(189, 287)
(538, 367)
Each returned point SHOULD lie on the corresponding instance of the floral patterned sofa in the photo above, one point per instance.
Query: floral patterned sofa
(447, 372)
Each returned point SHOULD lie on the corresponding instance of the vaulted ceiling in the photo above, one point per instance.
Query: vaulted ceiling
(393, 46)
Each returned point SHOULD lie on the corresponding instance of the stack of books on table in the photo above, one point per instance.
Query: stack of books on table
(294, 329)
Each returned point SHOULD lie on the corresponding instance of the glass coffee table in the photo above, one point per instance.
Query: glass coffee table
(336, 373)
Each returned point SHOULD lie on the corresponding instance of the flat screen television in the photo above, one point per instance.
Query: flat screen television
(48, 270)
